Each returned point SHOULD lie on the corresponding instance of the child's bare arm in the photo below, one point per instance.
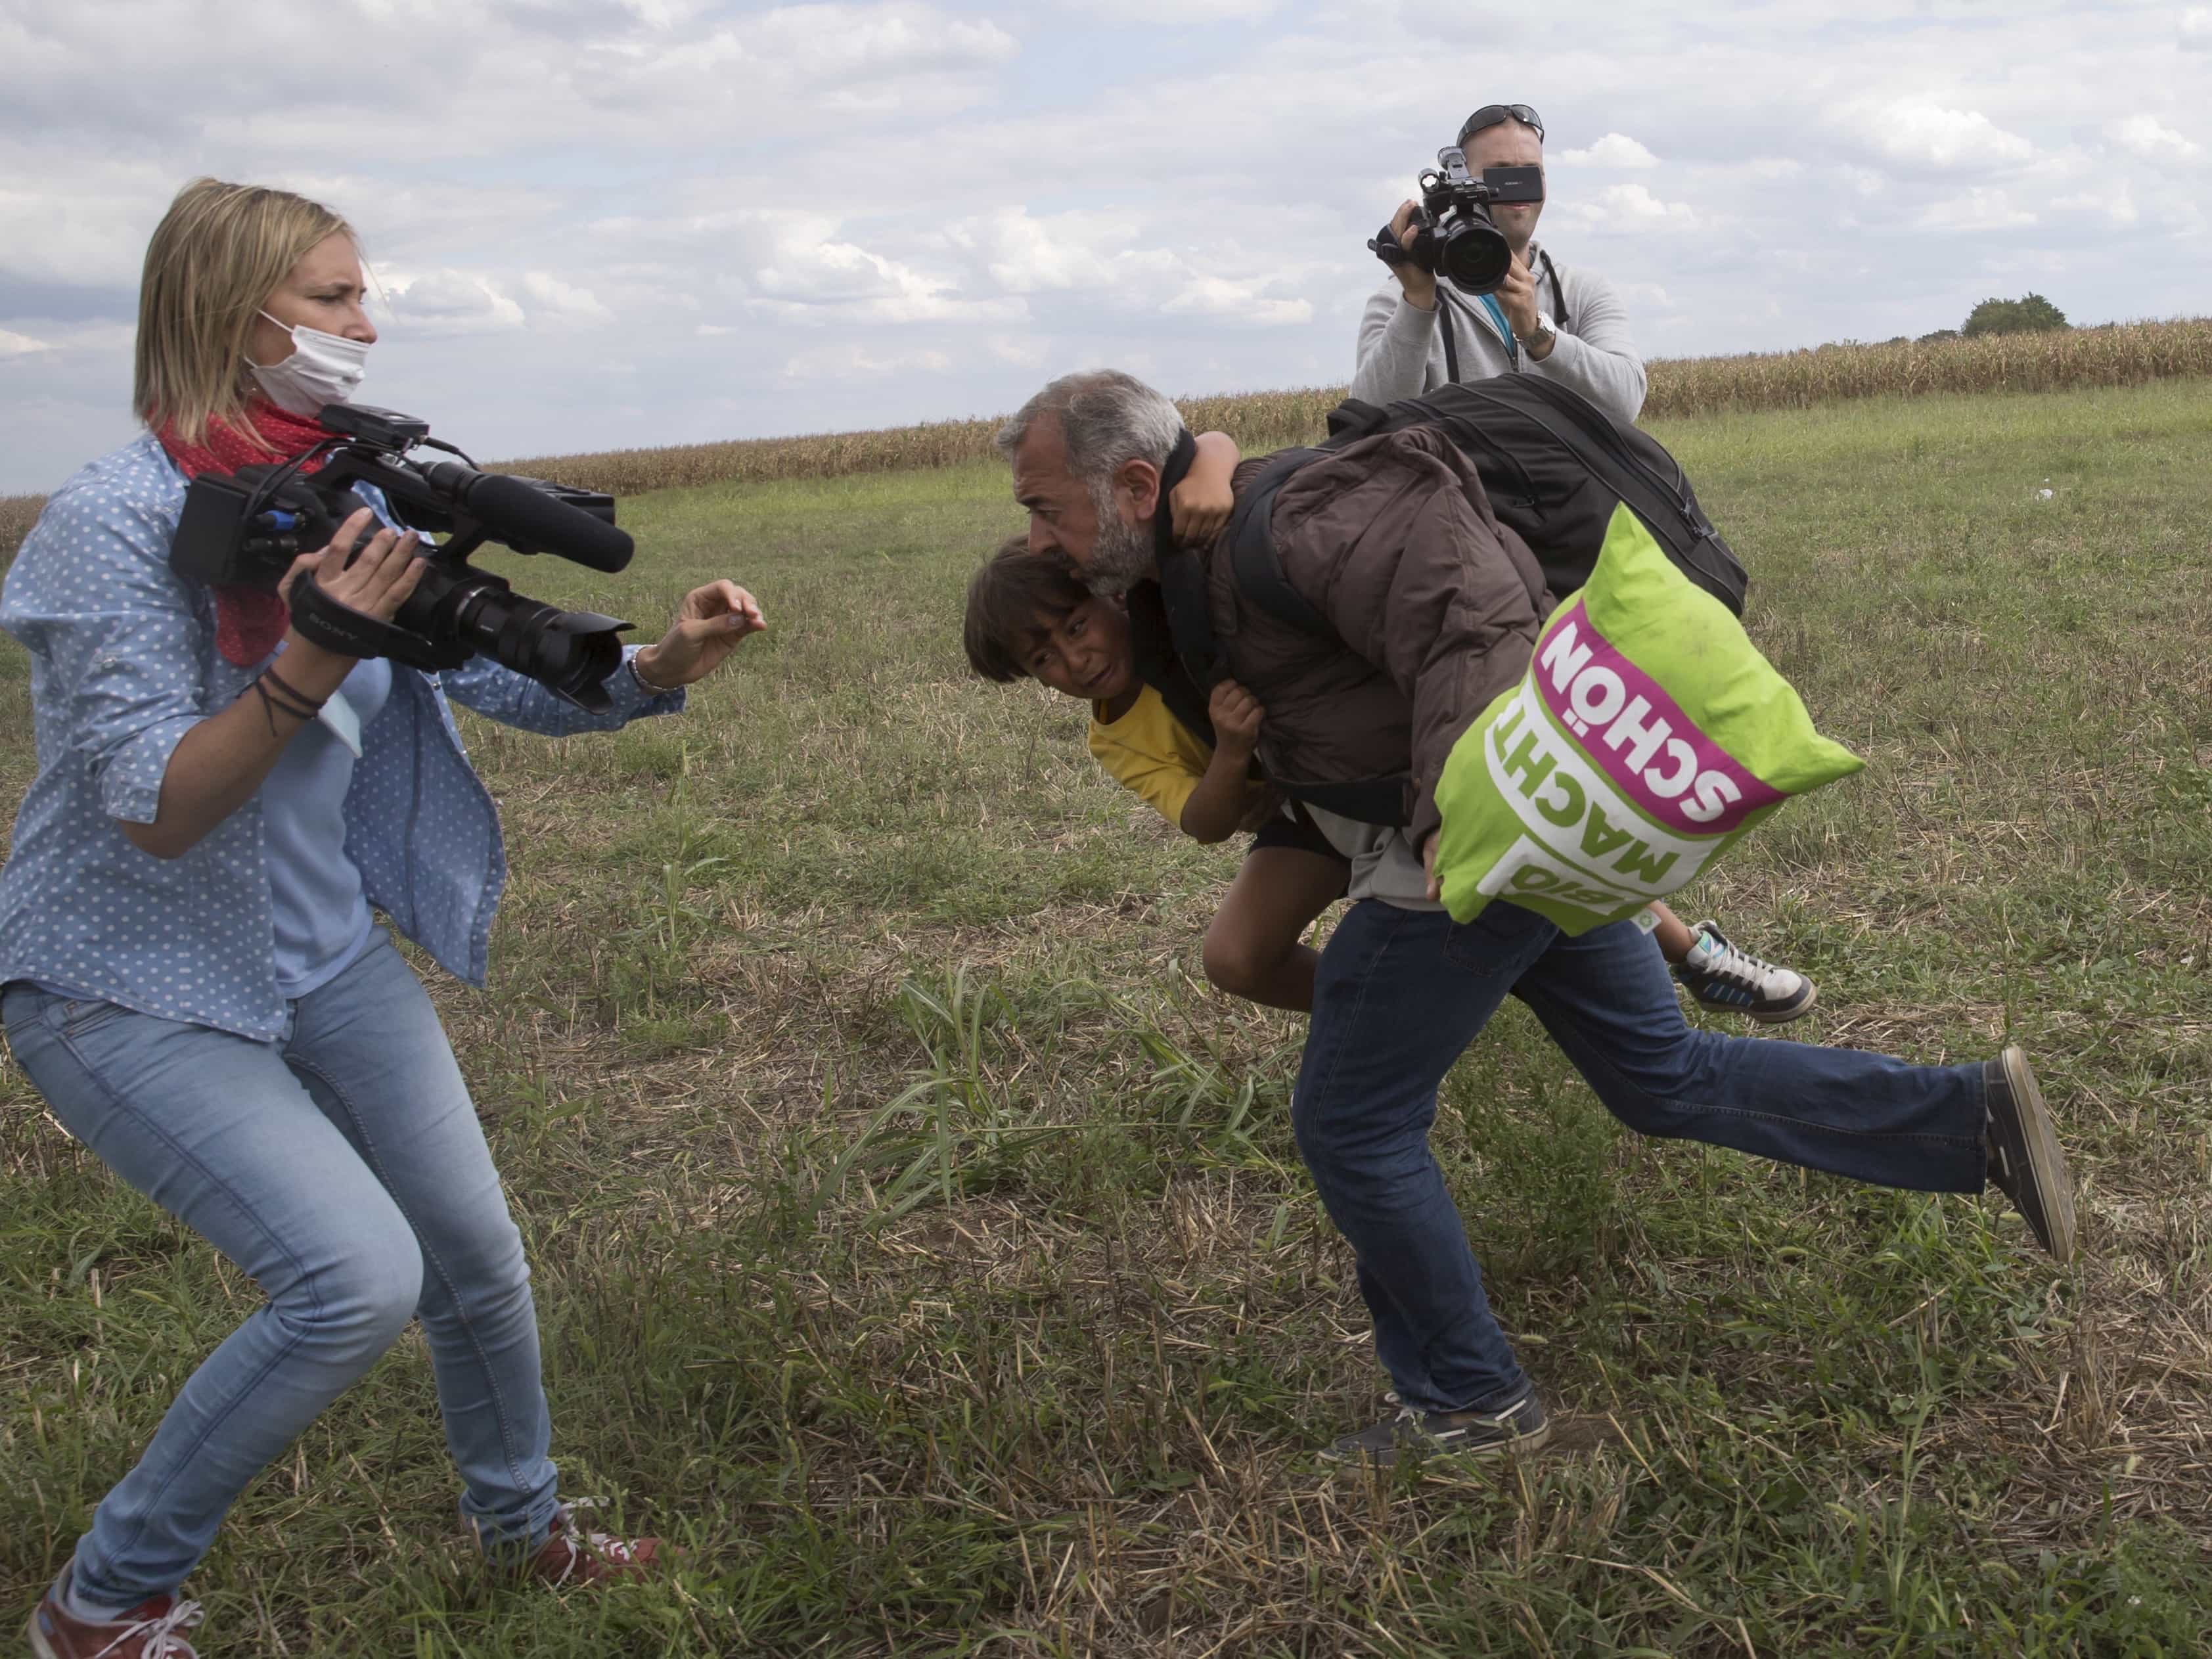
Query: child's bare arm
(1216, 807)
(1199, 506)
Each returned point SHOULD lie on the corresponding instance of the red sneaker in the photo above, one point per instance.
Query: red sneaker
(571, 1557)
(148, 1631)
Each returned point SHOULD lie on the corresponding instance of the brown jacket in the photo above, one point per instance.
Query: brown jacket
(1436, 604)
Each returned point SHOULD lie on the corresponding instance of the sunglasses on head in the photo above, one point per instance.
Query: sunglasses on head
(1490, 115)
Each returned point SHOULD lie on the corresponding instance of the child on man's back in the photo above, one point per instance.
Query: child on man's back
(1030, 616)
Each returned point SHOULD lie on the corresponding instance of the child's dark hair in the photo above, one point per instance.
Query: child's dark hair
(1008, 599)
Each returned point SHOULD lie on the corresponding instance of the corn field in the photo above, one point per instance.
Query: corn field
(2117, 354)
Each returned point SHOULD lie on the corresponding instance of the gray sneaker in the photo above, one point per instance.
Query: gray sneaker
(1720, 974)
(1521, 1427)
(2026, 1164)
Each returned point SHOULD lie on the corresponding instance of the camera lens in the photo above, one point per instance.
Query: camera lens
(571, 651)
(1474, 257)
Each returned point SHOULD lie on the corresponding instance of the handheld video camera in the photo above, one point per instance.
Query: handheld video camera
(1454, 235)
(246, 529)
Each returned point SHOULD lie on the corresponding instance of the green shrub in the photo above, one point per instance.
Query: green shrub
(2029, 314)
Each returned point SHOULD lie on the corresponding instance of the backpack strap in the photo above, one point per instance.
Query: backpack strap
(1184, 601)
(1250, 541)
(1559, 317)
(1353, 420)
(1151, 641)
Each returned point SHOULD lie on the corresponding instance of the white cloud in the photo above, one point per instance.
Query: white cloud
(1172, 12)
(1021, 352)
(2115, 206)
(836, 43)
(1239, 302)
(818, 271)
(1914, 131)
(1064, 253)
(1613, 150)
(100, 238)
(448, 301)
(2197, 29)
(1625, 209)
(1979, 209)
(19, 345)
(814, 279)
(850, 360)
(2152, 139)
(564, 301)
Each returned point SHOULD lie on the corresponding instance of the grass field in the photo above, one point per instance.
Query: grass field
(921, 1247)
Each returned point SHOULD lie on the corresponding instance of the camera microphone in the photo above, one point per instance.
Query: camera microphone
(527, 516)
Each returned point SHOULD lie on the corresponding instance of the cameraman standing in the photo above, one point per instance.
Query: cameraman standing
(1566, 324)
(193, 978)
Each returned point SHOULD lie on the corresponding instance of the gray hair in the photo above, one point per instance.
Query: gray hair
(1106, 418)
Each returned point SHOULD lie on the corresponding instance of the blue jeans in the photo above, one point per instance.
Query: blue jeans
(343, 1168)
(1399, 994)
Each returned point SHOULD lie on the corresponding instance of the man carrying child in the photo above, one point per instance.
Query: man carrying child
(1033, 616)
(1434, 607)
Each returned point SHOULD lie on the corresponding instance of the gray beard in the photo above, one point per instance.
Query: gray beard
(1121, 555)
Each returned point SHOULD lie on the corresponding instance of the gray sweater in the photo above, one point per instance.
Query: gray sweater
(1401, 349)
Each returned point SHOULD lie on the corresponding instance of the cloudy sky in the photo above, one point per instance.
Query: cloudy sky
(604, 223)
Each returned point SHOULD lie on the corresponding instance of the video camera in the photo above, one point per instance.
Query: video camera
(1455, 235)
(246, 529)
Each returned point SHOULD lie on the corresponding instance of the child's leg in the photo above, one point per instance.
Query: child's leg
(1252, 948)
(1673, 939)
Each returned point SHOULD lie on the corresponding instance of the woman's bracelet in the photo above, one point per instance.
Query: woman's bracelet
(271, 702)
(647, 685)
(293, 691)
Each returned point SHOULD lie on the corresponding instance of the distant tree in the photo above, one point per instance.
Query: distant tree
(1940, 334)
(2029, 314)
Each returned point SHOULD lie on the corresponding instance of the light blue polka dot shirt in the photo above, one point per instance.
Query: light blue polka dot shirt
(123, 664)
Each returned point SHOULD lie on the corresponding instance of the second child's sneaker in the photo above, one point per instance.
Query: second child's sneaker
(1722, 975)
(148, 1631)
(1521, 1427)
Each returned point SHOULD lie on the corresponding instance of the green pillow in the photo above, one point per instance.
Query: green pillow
(1648, 735)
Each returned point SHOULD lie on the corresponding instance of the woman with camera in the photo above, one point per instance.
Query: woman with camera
(193, 977)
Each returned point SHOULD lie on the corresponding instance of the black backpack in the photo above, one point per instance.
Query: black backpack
(1554, 466)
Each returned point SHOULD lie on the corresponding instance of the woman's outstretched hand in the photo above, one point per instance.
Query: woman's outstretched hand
(707, 626)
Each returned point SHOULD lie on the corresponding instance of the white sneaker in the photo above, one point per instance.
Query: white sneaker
(1720, 975)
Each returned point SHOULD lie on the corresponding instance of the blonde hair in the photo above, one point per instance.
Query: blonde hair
(216, 258)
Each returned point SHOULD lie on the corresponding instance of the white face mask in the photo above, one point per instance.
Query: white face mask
(323, 369)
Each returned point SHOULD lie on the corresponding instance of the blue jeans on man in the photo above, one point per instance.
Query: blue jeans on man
(1401, 992)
